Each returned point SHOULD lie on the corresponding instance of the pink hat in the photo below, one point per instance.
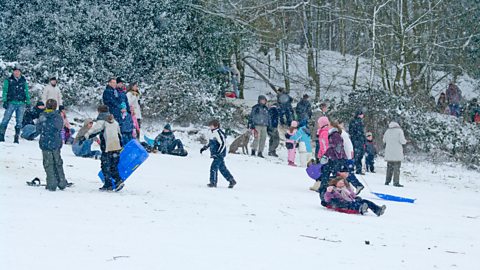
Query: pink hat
(323, 121)
(294, 124)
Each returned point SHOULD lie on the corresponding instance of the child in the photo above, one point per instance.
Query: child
(322, 135)
(110, 144)
(371, 151)
(126, 124)
(218, 151)
(339, 194)
(84, 148)
(67, 131)
(166, 143)
(305, 144)
(291, 144)
(49, 127)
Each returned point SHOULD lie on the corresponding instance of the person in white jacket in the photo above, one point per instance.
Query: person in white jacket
(51, 91)
(394, 140)
(133, 96)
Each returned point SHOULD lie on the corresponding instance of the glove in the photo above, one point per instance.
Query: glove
(329, 189)
(203, 149)
(81, 140)
(324, 160)
(5, 105)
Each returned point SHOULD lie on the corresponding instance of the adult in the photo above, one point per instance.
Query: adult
(29, 131)
(285, 105)
(272, 130)
(258, 123)
(82, 147)
(304, 110)
(357, 135)
(113, 98)
(15, 99)
(394, 140)
(51, 91)
(133, 96)
(454, 97)
(442, 103)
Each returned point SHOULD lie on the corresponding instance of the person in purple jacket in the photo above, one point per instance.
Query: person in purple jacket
(340, 195)
(334, 158)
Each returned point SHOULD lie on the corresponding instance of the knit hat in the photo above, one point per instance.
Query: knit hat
(358, 112)
(39, 103)
(168, 127)
(53, 78)
(369, 134)
(323, 121)
(123, 105)
(294, 124)
(61, 108)
(120, 80)
(262, 97)
(17, 67)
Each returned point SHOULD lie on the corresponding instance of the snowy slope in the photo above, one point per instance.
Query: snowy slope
(166, 218)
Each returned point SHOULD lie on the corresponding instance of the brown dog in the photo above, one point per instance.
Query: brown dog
(242, 142)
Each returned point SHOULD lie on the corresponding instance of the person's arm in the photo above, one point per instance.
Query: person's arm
(5, 92)
(27, 94)
(402, 138)
(44, 95)
(251, 125)
(60, 97)
(96, 128)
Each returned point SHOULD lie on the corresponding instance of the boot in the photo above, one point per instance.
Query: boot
(211, 185)
(17, 134)
(2, 135)
(363, 209)
(359, 189)
(397, 185)
(253, 152)
(381, 210)
(260, 155)
(315, 186)
(119, 185)
(291, 163)
(272, 154)
(232, 183)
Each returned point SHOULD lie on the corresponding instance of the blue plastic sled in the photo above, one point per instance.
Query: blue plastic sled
(393, 198)
(150, 142)
(131, 157)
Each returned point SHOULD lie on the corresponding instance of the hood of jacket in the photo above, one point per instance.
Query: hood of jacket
(393, 124)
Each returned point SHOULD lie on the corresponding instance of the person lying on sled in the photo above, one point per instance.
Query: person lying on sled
(340, 196)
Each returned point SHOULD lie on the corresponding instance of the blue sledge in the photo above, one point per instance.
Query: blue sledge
(131, 157)
(149, 141)
(388, 197)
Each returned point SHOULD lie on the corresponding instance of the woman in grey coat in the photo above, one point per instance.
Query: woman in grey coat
(394, 140)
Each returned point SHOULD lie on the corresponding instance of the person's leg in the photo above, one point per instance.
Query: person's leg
(262, 130)
(224, 171)
(291, 156)
(62, 182)
(214, 171)
(19, 112)
(281, 113)
(256, 141)
(352, 179)
(371, 205)
(396, 173)
(388, 178)
(114, 160)
(49, 166)
(288, 115)
(324, 178)
(368, 163)
(139, 121)
(358, 159)
(105, 165)
(270, 141)
(7, 115)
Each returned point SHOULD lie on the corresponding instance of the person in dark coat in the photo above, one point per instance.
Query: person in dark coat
(126, 124)
(258, 122)
(371, 150)
(114, 98)
(304, 110)
(285, 107)
(272, 130)
(29, 131)
(166, 143)
(356, 129)
(15, 98)
(49, 127)
(218, 151)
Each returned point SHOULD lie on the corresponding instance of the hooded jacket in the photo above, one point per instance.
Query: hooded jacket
(109, 130)
(259, 115)
(335, 150)
(134, 100)
(394, 140)
(322, 135)
(357, 132)
(49, 126)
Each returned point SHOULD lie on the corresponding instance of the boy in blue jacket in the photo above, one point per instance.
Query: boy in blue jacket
(218, 151)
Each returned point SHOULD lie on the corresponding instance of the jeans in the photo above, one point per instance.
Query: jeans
(29, 132)
(354, 205)
(454, 109)
(176, 144)
(85, 149)
(219, 164)
(19, 111)
(370, 162)
(259, 140)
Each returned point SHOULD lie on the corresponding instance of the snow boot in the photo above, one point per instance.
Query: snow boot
(291, 163)
(272, 154)
(211, 185)
(397, 185)
(363, 209)
(17, 134)
(260, 155)
(2, 135)
(232, 183)
(359, 189)
(253, 153)
(315, 186)
(381, 210)
(106, 188)
(119, 186)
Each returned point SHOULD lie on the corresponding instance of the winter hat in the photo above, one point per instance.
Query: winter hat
(39, 103)
(369, 134)
(358, 112)
(53, 78)
(17, 67)
(123, 106)
(303, 123)
(306, 96)
(323, 121)
(120, 80)
(294, 124)
(168, 127)
(262, 97)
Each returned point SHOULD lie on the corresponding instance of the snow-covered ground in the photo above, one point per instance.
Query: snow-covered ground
(166, 217)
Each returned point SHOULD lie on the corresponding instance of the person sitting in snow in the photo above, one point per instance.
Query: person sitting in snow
(111, 144)
(339, 195)
(166, 143)
(49, 127)
(218, 151)
(29, 131)
(84, 148)
(371, 153)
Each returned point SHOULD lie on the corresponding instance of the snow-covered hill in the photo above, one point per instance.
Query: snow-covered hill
(166, 217)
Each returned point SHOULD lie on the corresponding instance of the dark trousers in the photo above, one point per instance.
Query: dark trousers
(174, 145)
(274, 139)
(285, 115)
(331, 168)
(370, 163)
(126, 137)
(109, 164)
(393, 170)
(53, 165)
(218, 163)
(359, 152)
(355, 205)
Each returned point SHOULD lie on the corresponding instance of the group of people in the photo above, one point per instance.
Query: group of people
(451, 102)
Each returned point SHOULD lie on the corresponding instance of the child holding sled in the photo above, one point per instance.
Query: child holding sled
(340, 196)
(218, 151)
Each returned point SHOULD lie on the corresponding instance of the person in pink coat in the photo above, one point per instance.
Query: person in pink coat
(322, 134)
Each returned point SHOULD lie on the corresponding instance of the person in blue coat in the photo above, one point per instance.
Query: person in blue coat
(114, 98)
(218, 151)
(166, 143)
(305, 147)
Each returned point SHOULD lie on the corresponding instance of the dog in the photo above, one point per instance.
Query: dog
(241, 141)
